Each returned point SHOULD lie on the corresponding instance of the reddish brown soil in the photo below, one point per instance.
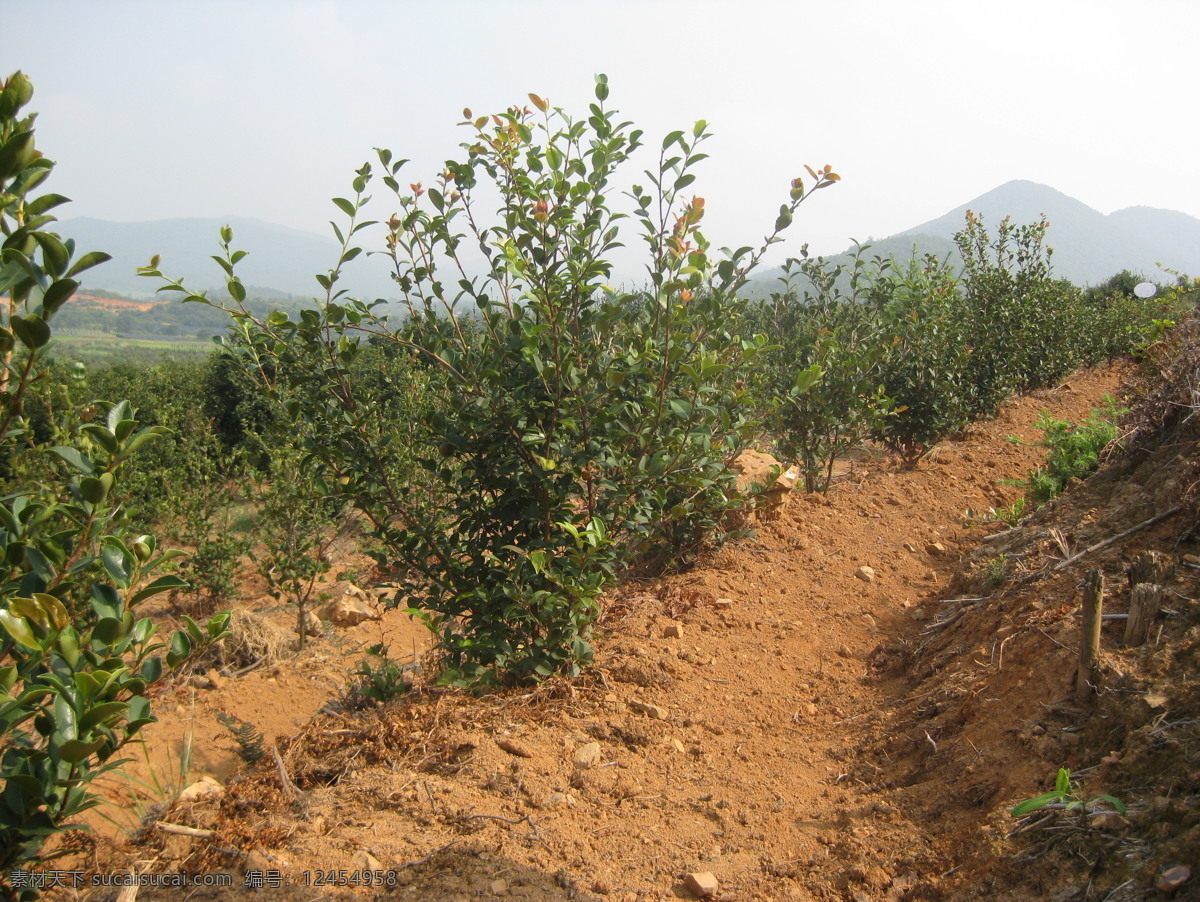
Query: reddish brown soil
(770, 717)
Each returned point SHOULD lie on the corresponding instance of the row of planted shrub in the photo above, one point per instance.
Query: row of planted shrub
(905, 354)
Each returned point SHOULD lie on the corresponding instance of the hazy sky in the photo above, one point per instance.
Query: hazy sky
(263, 108)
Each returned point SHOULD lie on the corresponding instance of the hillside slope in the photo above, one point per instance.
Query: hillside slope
(772, 717)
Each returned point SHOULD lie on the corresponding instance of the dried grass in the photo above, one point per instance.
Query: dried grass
(253, 641)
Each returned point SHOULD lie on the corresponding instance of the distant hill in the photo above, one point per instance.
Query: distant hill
(281, 260)
(1088, 245)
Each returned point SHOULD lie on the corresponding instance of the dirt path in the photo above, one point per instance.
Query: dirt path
(738, 723)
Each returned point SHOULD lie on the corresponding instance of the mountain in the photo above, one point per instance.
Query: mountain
(1088, 245)
(281, 260)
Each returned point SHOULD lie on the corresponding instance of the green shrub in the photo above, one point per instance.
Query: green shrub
(926, 365)
(820, 380)
(76, 666)
(1074, 450)
(580, 429)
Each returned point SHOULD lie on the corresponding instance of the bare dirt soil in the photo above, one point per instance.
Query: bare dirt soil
(795, 725)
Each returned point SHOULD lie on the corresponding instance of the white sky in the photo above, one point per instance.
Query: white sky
(263, 108)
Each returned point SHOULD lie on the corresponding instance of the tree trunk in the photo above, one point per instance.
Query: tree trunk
(1144, 605)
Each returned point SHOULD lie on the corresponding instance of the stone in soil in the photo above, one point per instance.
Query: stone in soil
(587, 755)
(701, 884)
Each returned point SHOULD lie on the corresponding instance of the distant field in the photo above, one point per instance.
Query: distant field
(97, 350)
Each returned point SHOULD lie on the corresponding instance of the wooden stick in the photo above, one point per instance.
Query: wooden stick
(1091, 548)
(1144, 604)
(1087, 677)
(180, 830)
(289, 788)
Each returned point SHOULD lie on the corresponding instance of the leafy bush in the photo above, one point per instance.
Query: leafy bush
(820, 381)
(1018, 315)
(77, 666)
(580, 428)
(1074, 450)
(926, 366)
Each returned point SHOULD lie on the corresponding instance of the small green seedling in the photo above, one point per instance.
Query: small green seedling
(1066, 796)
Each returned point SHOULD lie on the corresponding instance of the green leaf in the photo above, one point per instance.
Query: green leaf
(162, 584)
(117, 561)
(1062, 781)
(1036, 803)
(58, 294)
(19, 629)
(101, 713)
(54, 253)
(75, 750)
(31, 330)
(87, 261)
(76, 459)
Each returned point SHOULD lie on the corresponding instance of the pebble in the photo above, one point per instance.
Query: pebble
(514, 748)
(1109, 820)
(935, 549)
(1173, 878)
(365, 861)
(654, 712)
(587, 755)
(204, 788)
(866, 574)
(701, 884)
(673, 630)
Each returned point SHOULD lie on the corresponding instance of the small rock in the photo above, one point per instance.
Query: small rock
(312, 625)
(1173, 878)
(935, 549)
(1191, 559)
(722, 604)
(909, 546)
(701, 884)
(349, 610)
(558, 800)
(204, 788)
(844, 651)
(363, 860)
(1109, 820)
(866, 574)
(354, 591)
(673, 630)
(654, 712)
(258, 860)
(678, 746)
(587, 755)
(1071, 740)
(920, 615)
(499, 887)
(601, 887)
(811, 710)
(514, 748)
(1155, 699)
